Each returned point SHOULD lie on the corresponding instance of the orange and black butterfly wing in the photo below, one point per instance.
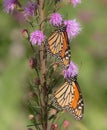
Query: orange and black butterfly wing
(58, 45)
(55, 43)
(77, 105)
(63, 96)
(65, 54)
(68, 97)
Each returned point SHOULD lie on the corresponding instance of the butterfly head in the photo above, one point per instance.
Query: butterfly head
(62, 28)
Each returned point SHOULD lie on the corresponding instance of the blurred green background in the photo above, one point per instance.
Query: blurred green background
(89, 52)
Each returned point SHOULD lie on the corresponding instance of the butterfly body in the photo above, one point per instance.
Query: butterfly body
(68, 97)
(58, 45)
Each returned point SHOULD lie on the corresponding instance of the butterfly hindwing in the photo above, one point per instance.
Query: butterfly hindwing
(66, 52)
(77, 105)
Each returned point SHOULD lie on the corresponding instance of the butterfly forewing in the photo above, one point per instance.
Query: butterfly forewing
(63, 96)
(55, 42)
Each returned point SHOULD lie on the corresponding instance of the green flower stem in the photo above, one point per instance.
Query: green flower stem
(43, 71)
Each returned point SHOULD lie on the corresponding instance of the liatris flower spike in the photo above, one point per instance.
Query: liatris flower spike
(42, 18)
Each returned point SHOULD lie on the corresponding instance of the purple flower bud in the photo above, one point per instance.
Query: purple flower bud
(30, 9)
(37, 37)
(25, 33)
(53, 112)
(31, 117)
(56, 19)
(54, 126)
(72, 71)
(37, 81)
(32, 62)
(9, 5)
(75, 2)
(30, 129)
(31, 94)
(66, 124)
(73, 28)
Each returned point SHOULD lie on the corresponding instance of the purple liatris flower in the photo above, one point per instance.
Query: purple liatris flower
(56, 19)
(72, 71)
(9, 5)
(73, 28)
(75, 2)
(30, 9)
(37, 37)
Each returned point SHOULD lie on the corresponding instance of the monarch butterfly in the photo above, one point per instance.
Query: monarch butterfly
(68, 97)
(58, 45)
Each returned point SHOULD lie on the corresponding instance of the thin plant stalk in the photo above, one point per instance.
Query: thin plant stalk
(43, 70)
